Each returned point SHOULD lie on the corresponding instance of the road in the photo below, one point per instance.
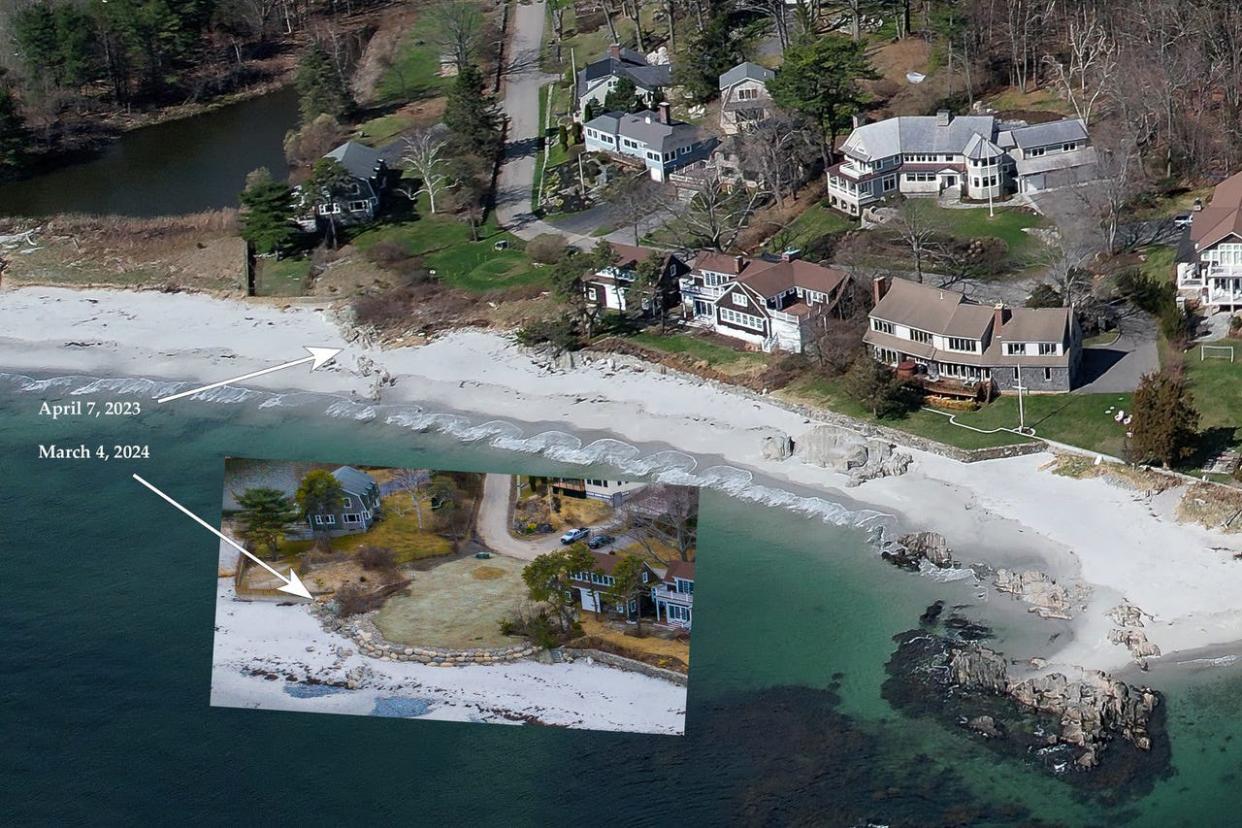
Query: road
(493, 522)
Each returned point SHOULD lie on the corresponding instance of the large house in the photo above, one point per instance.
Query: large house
(975, 156)
(600, 77)
(613, 492)
(609, 288)
(359, 507)
(661, 143)
(358, 198)
(744, 98)
(594, 587)
(946, 337)
(773, 304)
(1209, 260)
(673, 596)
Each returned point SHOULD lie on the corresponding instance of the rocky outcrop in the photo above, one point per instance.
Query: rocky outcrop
(849, 453)
(979, 668)
(1047, 598)
(915, 547)
(1129, 632)
(776, 446)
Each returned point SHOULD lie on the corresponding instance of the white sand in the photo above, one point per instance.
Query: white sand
(1004, 512)
(288, 640)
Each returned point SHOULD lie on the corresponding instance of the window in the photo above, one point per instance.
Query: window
(1069, 147)
(739, 299)
(325, 520)
(351, 517)
(744, 320)
(1017, 373)
(1047, 374)
(959, 344)
(644, 576)
(357, 206)
(920, 336)
(1015, 348)
(653, 156)
(1047, 349)
(887, 356)
(747, 94)
(1036, 152)
(881, 326)
(347, 503)
(921, 177)
(685, 587)
(890, 183)
(976, 183)
(676, 613)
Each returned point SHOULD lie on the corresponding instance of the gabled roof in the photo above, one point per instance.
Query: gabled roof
(1052, 132)
(746, 71)
(679, 569)
(359, 160)
(917, 134)
(647, 128)
(770, 279)
(1222, 217)
(354, 481)
(1057, 161)
(634, 67)
(933, 309)
(1036, 325)
(606, 563)
(980, 148)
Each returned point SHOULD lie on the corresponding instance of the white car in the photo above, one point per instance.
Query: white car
(1183, 220)
(574, 535)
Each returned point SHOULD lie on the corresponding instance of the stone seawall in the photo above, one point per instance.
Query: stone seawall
(370, 642)
(584, 358)
(628, 664)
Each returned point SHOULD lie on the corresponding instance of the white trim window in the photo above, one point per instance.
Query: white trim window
(880, 326)
(1015, 348)
(325, 520)
(1047, 349)
(684, 586)
(960, 344)
(352, 517)
(739, 299)
(347, 502)
(744, 320)
(676, 613)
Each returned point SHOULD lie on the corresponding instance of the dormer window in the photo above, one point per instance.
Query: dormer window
(1015, 348)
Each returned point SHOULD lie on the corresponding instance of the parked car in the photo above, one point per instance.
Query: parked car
(1183, 220)
(574, 535)
(600, 541)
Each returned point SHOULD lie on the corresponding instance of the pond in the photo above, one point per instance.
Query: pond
(181, 166)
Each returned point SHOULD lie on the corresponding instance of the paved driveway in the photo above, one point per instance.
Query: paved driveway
(1118, 368)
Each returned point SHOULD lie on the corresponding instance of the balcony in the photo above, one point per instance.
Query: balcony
(685, 599)
(693, 290)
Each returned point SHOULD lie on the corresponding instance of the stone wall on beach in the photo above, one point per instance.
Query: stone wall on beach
(630, 664)
(370, 642)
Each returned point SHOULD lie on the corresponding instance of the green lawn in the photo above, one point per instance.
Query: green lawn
(445, 246)
(415, 70)
(1076, 419)
(284, 277)
(814, 223)
(697, 347)
(1159, 264)
(1007, 225)
(396, 530)
(1217, 388)
(383, 129)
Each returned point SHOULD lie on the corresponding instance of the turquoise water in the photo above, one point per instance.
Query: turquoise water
(106, 614)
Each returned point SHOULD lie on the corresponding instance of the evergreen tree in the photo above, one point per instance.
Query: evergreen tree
(709, 53)
(12, 131)
(267, 215)
(877, 388)
(628, 586)
(327, 179)
(319, 493)
(266, 516)
(623, 97)
(547, 580)
(1164, 422)
(321, 89)
(472, 116)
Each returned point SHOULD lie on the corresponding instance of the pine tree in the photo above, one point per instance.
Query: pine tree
(266, 516)
(472, 116)
(1164, 422)
(876, 387)
(12, 131)
(267, 216)
(321, 89)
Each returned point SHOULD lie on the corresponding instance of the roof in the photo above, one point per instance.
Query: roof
(917, 134)
(1057, 161)
(354, 481)
(746, 71)
(646, 128)
(979, 147)
(1222, 217)
(772, 278)
(720, 262)
(1052, 132)
(680, 569)
(1036, 325)
(606, 562)
(933, 309)
(628, 255)
(359, 160)
(631, 65)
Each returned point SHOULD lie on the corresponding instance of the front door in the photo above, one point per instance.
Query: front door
(702, 308)
(950, 181)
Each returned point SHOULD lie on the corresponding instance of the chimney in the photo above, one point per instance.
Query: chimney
(858, 118)
(943, 117)
(1000, 315)
(879, 287)
(614, 51)
(739, 262)
(790, 254)
(666, 116)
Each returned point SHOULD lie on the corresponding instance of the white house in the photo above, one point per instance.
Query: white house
(655, 139)
(673, 595)
(774, 305)
(973, 155)
(1209, 266)
(744, 98)
(600, 77)
(613, 492)
(609, 288)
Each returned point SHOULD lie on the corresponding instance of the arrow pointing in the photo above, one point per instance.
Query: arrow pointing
(317, 355)
(293, 584)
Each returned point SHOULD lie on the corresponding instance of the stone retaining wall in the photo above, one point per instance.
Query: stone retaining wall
(628, 664)
(370, 642)
(576, 359)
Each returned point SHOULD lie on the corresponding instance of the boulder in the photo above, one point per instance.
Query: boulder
(979, 668)
(776, 446)
(850, 453)
(985, 726)
(929, 546)
(1047, 598)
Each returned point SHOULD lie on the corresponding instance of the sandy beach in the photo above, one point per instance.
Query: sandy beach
(1006, 513)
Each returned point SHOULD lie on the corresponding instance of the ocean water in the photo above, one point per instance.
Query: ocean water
(107, 608)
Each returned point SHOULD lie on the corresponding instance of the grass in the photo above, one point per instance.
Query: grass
(445, 246)
(815, 223)
(1008, 225)
(397, 530)
(283, 277)
(1217, 388)
(1043, 99)
(383, 129)
(1159, 263)
(714, 354)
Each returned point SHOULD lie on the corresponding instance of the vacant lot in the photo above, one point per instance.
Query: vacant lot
(457, 604)
(397, 530)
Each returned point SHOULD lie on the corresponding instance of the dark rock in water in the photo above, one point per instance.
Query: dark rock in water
(930, 614)
(899, 558)
(1104, 735)
(967, 630)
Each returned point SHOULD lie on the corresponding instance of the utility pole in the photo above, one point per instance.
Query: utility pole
(1021, 410)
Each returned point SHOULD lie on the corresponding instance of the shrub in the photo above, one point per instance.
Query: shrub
(382, 309)
(352, 599)
(1235, 325)
(1044, 296)
(378, 558)
(547, 248)
(387, 253)
(560, 333)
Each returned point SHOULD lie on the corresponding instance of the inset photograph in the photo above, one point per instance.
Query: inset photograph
(456, 596)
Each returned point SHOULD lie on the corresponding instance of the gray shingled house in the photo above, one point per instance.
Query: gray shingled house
(359, 508)
(955, 343)
(357, 199)
(655, 139)
(744, 98)
(600, 77)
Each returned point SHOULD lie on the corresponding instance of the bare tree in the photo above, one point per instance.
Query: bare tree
(782, 149)
(716, 214)
(414, 481)
(661, 517)
(775, 11)
(916, 226)
(425, 158)
(458, 31)
(1087, 71)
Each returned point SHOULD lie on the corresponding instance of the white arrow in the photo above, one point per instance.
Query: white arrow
(293, 584)
(317, 355)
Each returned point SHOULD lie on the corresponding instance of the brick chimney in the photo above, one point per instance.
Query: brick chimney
(1000, 315)
(943, 117)
(879, 287)
(739, 262)
(614, 51)
(666, 115)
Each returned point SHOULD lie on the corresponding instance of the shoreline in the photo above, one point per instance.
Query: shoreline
(1004, 513)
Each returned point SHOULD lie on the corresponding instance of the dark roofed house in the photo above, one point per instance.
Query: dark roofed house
(963, 346)
(653, 138)
(600, 77)
(359, 507)
(358, 198)
(594, 587)
(774, 304)
(609, 288)
(1209, 265)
